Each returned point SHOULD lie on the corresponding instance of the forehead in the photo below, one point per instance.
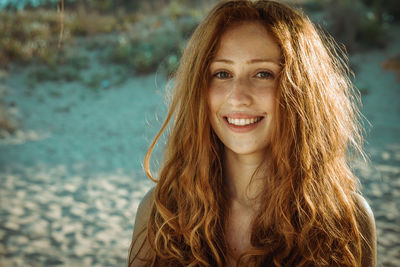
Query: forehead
(246, 39)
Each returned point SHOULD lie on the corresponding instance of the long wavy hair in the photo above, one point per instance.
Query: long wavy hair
(308, 211)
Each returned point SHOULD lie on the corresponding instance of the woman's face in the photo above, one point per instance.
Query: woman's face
(242, 89)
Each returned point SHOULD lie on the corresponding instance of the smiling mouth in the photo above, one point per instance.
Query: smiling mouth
(243, 121)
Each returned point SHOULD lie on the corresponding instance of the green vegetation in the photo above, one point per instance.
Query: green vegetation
(61, 66)
(388, 10)
(157, 41)
(357, 25)
(106, 78)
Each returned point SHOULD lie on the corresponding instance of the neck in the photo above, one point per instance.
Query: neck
(244, 184)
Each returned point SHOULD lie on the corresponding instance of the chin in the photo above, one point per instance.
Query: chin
(248, 151)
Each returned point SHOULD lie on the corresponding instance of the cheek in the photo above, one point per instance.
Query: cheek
(268, 98)
(215, 99)
(270, 104)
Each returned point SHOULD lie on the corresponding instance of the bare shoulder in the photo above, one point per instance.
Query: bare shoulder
(139, 246)
(144, 209)
(366, 221)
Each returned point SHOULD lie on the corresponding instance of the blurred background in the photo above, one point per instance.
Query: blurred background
(77, 116)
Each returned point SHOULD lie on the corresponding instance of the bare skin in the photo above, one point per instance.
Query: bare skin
(243, 202)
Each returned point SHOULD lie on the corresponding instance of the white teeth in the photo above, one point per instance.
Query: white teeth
(243, 122)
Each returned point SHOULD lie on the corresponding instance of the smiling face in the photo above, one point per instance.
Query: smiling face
(241, 95)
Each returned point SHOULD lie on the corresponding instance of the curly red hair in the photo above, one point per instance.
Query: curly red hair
(308, 214)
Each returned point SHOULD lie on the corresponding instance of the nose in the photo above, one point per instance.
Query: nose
(240, 94)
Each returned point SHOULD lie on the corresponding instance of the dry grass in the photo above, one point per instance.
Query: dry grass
(34, 34)
(29, 34)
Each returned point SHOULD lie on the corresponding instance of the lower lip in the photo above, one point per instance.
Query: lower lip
(244, 128)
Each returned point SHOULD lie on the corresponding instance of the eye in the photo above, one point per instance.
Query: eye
(222, 75)
(264, 75)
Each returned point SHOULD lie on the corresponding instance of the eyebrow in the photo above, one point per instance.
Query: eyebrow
(253, 61)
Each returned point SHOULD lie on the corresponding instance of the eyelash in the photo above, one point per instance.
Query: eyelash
(218, 75)
(269, 74)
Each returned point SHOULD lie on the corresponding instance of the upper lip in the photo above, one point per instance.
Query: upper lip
(241, 115)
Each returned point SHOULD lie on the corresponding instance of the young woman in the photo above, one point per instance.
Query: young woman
(255, 171)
